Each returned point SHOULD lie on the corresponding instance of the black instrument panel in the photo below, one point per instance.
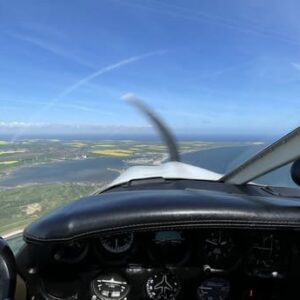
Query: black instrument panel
(169, 264)
(177, 240)
(214, 250)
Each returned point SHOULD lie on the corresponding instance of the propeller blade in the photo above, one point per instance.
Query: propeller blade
(164, 131)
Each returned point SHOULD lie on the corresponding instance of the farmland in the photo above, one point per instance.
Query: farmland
(37, 175)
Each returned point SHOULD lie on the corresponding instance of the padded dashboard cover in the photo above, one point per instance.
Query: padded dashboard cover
(145, 209)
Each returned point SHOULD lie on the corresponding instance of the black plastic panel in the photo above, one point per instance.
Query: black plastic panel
(148, 209)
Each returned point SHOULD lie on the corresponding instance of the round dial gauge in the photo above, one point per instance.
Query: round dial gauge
(162, 286)
(117, 243)
(267, 251)
(218, 249)
(266, 259)
(169, 247)
(51, 285)
(71, 253)
(213, 289)
(110, 286)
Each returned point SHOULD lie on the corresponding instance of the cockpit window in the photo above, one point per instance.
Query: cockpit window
(280, 177)
(224, 76)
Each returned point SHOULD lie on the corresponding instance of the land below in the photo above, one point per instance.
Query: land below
(37, 175)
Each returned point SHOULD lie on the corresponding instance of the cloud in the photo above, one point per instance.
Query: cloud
(107, 69)
(237, 24)
(75, 106)
(85, 80)
(68, 90)
(78, 107)
(44, 129)
(50, 47)
(16, 124)
(38, 28)
(296, 66)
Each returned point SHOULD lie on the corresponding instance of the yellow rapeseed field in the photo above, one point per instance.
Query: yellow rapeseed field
(103, 145)
(8, 162)
(77, 144)
(113, 152)
(11, 151)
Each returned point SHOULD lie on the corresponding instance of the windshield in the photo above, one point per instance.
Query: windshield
(224, 75)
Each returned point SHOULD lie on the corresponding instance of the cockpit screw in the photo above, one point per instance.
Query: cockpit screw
(32, 271)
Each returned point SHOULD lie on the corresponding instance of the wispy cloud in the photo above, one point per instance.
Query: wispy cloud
(68, 90)
(49, 47)
(107, 69)
(74, 106)
(296, 66)
(47, 30)
(16, 124)
(39, 128)
(241, 25)
(227, 69)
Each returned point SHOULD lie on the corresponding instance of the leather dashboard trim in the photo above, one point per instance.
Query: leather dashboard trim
(150, 209)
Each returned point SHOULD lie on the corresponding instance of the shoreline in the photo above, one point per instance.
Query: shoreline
(12, 234)
(79, 183)
(156, 161)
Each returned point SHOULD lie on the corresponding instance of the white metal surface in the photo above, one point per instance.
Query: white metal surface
(283, 151)
(169, 170)
(280, 153)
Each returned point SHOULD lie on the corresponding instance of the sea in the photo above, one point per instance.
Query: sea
(104, 169)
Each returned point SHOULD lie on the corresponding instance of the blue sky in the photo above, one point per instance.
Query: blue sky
(205, 66)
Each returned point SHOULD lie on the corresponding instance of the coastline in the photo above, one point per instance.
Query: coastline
(12, 234)
(159, 159)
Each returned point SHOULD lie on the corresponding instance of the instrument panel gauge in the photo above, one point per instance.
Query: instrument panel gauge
(169, 248)
(109, 286)
(214, 289)
(267, 251)
(70, 253)
(162, 286)
(218, 249)
(117, 243)
(266, 257)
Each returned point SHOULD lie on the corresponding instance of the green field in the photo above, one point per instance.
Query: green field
(22, 205)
